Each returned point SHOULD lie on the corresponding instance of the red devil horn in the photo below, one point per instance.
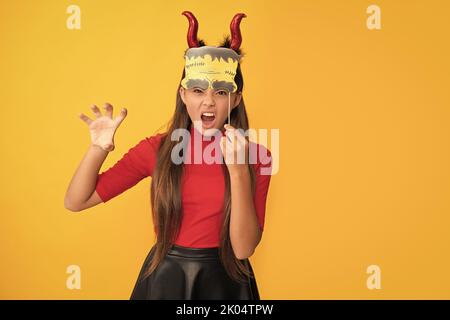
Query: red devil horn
(236, 37)
(193, 28)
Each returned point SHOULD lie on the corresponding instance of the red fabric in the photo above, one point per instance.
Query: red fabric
(203, 188)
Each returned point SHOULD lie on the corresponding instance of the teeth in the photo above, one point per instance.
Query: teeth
(208, 114)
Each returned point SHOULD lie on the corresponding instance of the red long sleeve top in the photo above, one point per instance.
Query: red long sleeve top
(203, 187)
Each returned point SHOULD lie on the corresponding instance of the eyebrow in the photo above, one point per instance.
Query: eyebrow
(223, 85)
(204, 84)
(200, 83)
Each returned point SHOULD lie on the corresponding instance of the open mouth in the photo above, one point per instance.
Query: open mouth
(208, 119)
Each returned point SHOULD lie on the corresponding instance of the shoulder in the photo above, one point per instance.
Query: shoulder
(146, 149)
(151, 143)
(259, 151)
(145, 152)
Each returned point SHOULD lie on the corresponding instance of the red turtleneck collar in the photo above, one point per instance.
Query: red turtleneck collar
(196, 148)
(205, 139)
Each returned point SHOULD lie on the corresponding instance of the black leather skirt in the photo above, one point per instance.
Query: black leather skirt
(192, 274)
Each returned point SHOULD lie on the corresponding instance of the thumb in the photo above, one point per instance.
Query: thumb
(108, 147)
(222, 143)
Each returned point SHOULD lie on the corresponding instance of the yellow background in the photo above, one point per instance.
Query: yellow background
(364, 137)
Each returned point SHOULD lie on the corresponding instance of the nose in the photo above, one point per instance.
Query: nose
(209, 97)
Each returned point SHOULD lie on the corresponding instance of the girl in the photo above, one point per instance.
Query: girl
(208, 217)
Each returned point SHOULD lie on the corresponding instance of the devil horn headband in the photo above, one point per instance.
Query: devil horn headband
(236, 38)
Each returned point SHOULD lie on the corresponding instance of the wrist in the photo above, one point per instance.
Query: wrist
(98, 149)
(239, 172)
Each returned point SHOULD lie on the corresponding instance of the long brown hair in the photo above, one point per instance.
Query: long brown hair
(166, 187)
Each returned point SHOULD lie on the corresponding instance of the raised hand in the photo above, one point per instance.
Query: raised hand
(234, 147)
(104, 127)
